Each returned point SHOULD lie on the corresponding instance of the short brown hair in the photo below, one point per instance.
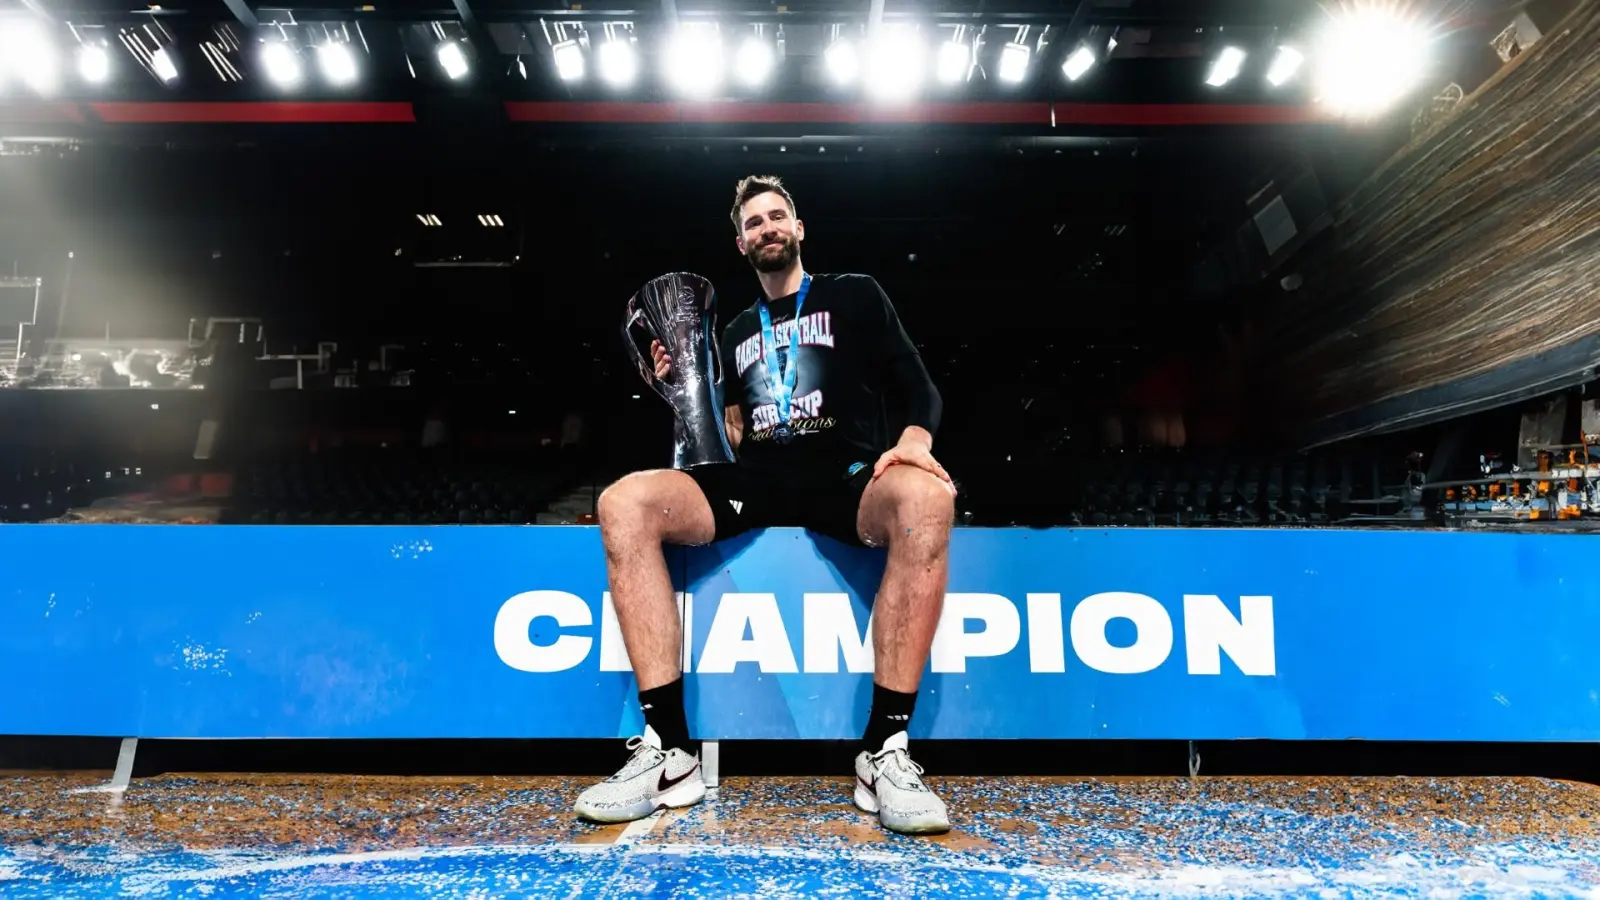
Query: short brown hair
(753, 186)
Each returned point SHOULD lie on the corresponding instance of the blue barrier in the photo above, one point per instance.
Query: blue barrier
(366, 632)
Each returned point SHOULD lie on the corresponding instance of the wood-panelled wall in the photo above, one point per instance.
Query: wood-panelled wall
(1474, 247)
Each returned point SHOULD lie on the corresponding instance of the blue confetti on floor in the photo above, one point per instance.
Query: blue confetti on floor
(314, 837)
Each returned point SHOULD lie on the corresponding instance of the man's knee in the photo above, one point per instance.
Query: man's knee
(919, 499)
(622, 505)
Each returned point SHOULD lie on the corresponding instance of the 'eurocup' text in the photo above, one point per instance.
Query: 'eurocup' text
(748, 629)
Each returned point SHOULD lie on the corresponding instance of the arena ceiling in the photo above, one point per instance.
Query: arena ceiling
(1055, 70)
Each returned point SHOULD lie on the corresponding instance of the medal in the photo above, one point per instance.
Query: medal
(782, 375)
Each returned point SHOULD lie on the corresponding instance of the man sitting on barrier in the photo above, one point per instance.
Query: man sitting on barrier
(805, 370)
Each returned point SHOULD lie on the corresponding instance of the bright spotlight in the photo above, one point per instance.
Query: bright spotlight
(955, 61)
(1081, 60)
(694, 61)
(569, 60)
(1014, 62)
(338, 64)
(27, 51)
(94, 63)
(895, 69)
(161, 63)
(754, 61)
(619, 64)
(1226, 67)
(1367, 59)
(280, 63)
(453, 60)
(842, 61)
(1284, 65)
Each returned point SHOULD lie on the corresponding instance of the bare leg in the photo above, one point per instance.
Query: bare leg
(912, 512)
(638, 514)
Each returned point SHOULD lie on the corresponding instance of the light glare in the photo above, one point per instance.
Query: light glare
(895, 70)
(338, 64)
(1081, 60)
(569, 60)
(1367, 59)
(842, 62)
(26, 50)
(94, 63)
(619, 64)
(1284, 65)
(694, 62)
(453, 60)
(1227, 66)
(754, 61)
(1013, 63)
(955, 61)
(282, 66)
(161, 63)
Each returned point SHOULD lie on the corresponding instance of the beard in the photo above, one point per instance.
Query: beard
(773, 256)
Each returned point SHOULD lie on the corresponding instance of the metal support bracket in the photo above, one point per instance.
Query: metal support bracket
(1194, 760)
(124, 773)
(710, 758)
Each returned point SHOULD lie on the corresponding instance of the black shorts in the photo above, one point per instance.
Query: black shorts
(744, 498)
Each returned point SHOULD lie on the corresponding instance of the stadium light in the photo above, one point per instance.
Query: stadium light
(281, 64)
(955, 61)
(453, 60)
(896, 68)
(1284, 65)
(842, 61)
(569, 60)
(338, 64)
(94, 63)
(1367, 58)
(1226, 67)
(1014, 62)
(26, 50)
(694, 60)
(618, 62)
(1081, 61)
(754, 61)
(162, 65)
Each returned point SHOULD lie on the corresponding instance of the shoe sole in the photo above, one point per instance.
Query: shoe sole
(867, 802)
(684, 795)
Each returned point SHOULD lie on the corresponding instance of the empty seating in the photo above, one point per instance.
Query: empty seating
(395, 487)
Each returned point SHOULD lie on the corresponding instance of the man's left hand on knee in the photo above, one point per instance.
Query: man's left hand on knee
(915, 456)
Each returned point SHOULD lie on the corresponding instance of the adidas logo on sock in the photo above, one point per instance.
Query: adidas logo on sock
(738, 506)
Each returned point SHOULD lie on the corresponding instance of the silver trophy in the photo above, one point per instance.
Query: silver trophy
(680, 311)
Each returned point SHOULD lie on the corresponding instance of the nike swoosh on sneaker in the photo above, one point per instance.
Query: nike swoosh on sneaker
(867, 784)
(666, 782)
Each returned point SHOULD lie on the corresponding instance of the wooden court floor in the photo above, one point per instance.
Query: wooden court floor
(63, 835)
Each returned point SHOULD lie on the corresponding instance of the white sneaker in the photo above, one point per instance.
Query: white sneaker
(651, 780)
(890, 784)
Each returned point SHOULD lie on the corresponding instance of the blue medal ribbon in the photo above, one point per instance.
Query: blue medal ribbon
(782, 377)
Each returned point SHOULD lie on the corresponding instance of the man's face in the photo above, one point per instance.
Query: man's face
(770, 236)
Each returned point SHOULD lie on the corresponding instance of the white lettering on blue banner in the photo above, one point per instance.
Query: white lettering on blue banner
(830, 633)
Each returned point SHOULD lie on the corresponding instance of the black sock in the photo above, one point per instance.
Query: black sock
(664, 712)
(891, 714)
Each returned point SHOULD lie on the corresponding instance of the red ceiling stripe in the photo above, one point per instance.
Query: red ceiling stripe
(614, 113)
(1158, 114)
(40, 113)
(1037, 114)
(167, 113)
(781, 113)
(1148, 115)
(855, 113)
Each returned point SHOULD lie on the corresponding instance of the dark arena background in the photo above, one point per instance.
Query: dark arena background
(1267, 335)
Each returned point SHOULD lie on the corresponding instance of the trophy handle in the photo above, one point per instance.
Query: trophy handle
(646, 367)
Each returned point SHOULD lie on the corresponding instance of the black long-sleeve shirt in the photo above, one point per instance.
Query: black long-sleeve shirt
(853, 351)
